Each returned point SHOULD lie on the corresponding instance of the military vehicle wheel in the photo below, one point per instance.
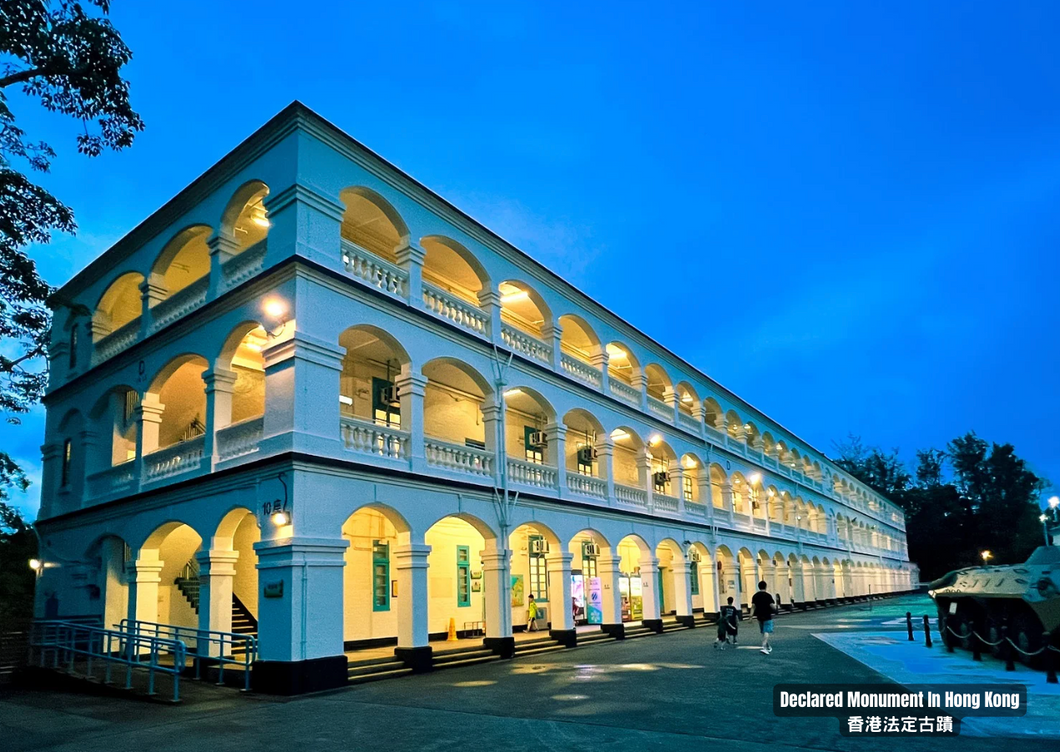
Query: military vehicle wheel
(993, 635)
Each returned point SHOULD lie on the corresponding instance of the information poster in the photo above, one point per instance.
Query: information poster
(517, 590)
(594, 610)
(577, 597)
(636, 599)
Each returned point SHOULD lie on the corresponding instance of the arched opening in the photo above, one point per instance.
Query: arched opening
(658, 382)
(368, 578)
(453, 269)
(687, 399)
(712, 413)
(583, 433)
(245, 217)
(524, 309)
(728, 577)
(242, 354)
(185, 259)
(718, 481)
(455, 586)
(774, 505)
(372, 224)
(119, 305)
(622, 365)
(116, 425)
(769, 445)
(809, 580)
(741, 494)
(112, 556)
(587, 584)
(527, 415)
(783, 585)
(628, 448)
(701, 578)
(748, 577)
(734, 426)
(179, 391)
(170, 550)
(452, 405)
(71, 469)
(578, 340)
(237, 532)
(672, 565)
(372, 364)
(752, 436)
(531, 545)
(633, 552)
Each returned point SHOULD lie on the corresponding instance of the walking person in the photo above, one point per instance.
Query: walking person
(762, 607)
(727, 617)
(531, 615)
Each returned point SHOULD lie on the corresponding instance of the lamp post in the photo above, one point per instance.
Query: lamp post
(1044, 519)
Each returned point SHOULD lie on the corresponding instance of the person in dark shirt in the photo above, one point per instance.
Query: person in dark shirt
(762, 609)
(727, 617)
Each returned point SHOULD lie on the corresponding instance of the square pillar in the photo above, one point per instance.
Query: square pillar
(682, 591)
(149, 413)
(711, 600)
(410, 561)
(222, 248)
(607, 567)
(557, 453)
(410, 258)
(412, 388)
(644, 476)
(497, 584)
(600, 361)
(552, 334)
(673, 401)
(220, 383)
(144, 576)
(561, 629)
(300, 597)
(649, 586)
(677, 484)
(605, 450)
(490, 302)
(305, 222)
(217, 572)
(152, 292)
(640, 382)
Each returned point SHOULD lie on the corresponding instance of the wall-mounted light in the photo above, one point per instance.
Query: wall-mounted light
(276, 315)
(36, 565)
(279, 519)
(513, 392)
(654, 440)
(754, 477)
(614, 351)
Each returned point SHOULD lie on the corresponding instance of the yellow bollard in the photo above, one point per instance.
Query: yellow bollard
(452, 630)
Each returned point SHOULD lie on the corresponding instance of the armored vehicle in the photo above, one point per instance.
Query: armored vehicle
(1025, 596)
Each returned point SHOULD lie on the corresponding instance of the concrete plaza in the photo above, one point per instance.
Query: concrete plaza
(668, 692)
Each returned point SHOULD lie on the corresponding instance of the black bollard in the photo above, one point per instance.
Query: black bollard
(1006, 648)
(1051, 658)
(927, 631)
(909, 624)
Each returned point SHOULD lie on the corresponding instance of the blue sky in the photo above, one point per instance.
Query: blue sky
(844, 212)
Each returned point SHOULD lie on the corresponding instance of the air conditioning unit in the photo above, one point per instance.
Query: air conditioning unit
(587, 455)
(536, 440)
(693, 556)
(538, 546)
(388, 395)
(661, 478)
(590, 550)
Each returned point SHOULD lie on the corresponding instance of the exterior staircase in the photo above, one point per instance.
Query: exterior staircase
(187, 582)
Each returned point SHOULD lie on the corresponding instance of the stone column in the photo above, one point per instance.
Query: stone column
(152, 292)
(412, 388)
(561, 629)
(644, 475)
(785, 583)
(217, 572)
(411, 564)
(605, 450)
(700, 414)
(410, 258)
(552, 334)
(677, 484)
(711, 594)
(649, 584)
(144, 578)
(149, 413)
(737, 595)
(798, 595)
(490, 302)
(491, 420)
(600, 361)
(640, 382)
(557, 454)
(497, 583)
(301, 395)
(306, 222)
(682, 591)
(726, 499)
(673, 401)
(222, 248)
(220, 383)
(610, 596)
(300, 618)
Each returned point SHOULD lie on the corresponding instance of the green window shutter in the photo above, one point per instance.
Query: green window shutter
(693, 572)
(380, 576)
(463, 576)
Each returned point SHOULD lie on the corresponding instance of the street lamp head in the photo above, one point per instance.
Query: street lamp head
(986, 556)
(1043, 518)
(36, 565)
(1054, 502)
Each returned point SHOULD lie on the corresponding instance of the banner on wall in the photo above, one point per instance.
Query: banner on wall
(517, 590)
(577, 597)
(594, 610)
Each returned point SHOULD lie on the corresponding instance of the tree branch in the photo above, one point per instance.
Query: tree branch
(20, 77)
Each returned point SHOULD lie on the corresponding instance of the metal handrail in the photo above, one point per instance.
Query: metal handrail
(64, 641)
(211, 646)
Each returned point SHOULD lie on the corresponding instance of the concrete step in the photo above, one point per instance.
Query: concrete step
(463, 656)
(375, 668)
(490, 656)
(379, 676)
(359, 663)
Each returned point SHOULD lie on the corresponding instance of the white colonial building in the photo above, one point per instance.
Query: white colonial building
(310, 395)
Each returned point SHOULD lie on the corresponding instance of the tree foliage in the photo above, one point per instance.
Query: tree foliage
(970, 497)
(67, 58)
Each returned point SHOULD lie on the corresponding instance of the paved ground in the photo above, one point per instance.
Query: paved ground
(671, 692)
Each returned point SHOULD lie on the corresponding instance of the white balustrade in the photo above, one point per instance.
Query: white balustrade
(661, 409)
(695, 509)
(458, 459)
(687, 421)
(243, 266)
(179, 304)
(664, 503)
(447, 306)
(587, 485)
(114, 479)
(174, 460)
(531, 474)
(116, 341)
(239, 439)
(366, 267)
(631, 496)
(365, 437)
(624, 391)
(525, 344)
(715, 435)
(581, 371)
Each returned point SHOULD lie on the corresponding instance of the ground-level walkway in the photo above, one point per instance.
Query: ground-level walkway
(672, 692)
